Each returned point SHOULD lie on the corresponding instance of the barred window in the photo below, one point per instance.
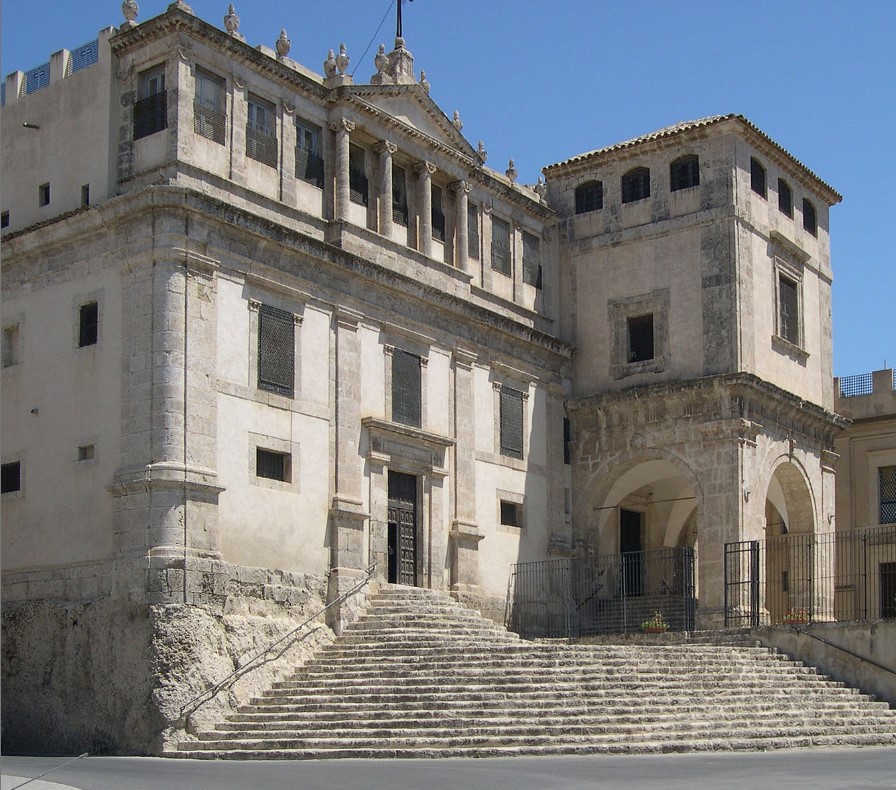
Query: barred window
(406, 389)
(684, 173)
(531, 260)
(788, 310)
(511, 408)
(501, 260)
(473, 231)
(276, 350)
(757, 178)
(357, 175)
(309, 156)
(399, 195)
(151, 108)
(261, 132)
(636, 185)
(438, 216)
(272, 465)
(887, 478)
(810, 220)
(88, 324)
(785, 198)
(209, 117)
(589, 197)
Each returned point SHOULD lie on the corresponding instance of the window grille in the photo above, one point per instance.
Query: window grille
(261, 134)
(640, 338)
(271, 465)
(406, 389)
(438, 216)
(757, 178)
(84, 56)
(887, 477)
(37, 78)
(3, 94)
(88, 324)
(150, 115)
(852, 386)
(589, 197)
(209, 117)
(684, 173)
(309, 162)
(810, 221)
(357, 176)
(636, 185)
(511, 416)
(11, 477)
(473, 231)
(788, 310)
(501, 260)
(785, 198)
(531, 260)
(276, 350)
(399, 196)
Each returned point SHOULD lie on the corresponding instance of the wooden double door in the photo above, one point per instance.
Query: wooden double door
(402, 528)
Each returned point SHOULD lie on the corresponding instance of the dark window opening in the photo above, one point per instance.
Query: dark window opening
(785, 198)
(88, 324)
(757, 178)
(501, 260)
(272, 465)
(438, 216)
(209, 116)
(406, 389)
(86, 452)
(11, 477)
(276, 351)
(400, 211)
(567, 438)
(810, 220)
(887, 479)
(640, 338)
(85, 195)
(684, 173)
(532, 272)
(151, 107)
(589, 197)
(636, 185)
(43, 195)
(785, 581)
(309, 158)
(473, 231)
(4, 219)
(261, 132)
(511, 417)
(511, 514)
(357, 175)
(788, 310)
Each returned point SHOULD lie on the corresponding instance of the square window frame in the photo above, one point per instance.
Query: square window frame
(516, 499)
(79, 301)
(280, 446)
(619, 311)
(793, 272)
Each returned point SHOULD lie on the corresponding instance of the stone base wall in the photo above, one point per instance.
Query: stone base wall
(90, 664)
(488, 606)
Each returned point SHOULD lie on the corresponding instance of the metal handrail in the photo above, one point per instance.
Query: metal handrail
(845, 650)
(212, 691)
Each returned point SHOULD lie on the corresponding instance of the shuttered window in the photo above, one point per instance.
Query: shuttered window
(276, 350)
(511, 422)
(473, 231)
(399, 196)
(406, 389)
(788, 310)
(531, 260)
(501, 261)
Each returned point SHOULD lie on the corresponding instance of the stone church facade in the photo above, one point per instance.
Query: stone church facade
(276, 330)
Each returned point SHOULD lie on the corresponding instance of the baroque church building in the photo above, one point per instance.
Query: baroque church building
(273, 331)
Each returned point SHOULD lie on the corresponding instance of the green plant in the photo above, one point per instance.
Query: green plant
(655, 623)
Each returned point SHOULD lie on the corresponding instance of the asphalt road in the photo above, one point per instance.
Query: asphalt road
(819, 769)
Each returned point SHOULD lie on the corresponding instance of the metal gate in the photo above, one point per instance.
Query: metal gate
(742, 584)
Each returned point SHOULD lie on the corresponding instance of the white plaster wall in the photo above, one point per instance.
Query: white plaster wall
(438, 411)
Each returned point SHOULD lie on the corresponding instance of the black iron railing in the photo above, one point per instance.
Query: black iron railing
(209, 122)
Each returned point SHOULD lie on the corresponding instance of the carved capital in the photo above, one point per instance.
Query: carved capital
(239, 82)
(288, 108)
(385, 147)
(424, 169)
(461, 186)
(254, 305)
(342, 126)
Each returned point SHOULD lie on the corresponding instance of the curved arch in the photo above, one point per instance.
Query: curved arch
(789, 489)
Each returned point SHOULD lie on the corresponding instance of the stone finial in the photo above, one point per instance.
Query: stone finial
(342, 59)
(381, 61)
(481, 152)
(283, 44)
(330, 65)
(456, 121)
(130, 9)
(180, 5)
(541, 189)
(423, 81)
(232, 22)
(511, 172)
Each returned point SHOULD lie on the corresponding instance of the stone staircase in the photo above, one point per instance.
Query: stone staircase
(422, 676)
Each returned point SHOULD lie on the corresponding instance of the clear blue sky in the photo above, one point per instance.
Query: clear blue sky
(542, 80)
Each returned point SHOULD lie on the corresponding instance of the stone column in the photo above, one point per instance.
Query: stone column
(465, 534)
(424, 171)
(462, 232)
(342, 129)
(288, 153)
(385, 150)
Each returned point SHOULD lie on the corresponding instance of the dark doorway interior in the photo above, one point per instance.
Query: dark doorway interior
(402, 529)
(630, 547)
(888, 589)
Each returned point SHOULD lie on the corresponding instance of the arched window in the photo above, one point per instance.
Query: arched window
(810, 220)
(684, 172)
(785, 198)
(589, 197)
(636, 185)
(757, 177)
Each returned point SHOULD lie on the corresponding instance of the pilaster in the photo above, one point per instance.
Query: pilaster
(385, 150)
(424, 171)
(341, 129)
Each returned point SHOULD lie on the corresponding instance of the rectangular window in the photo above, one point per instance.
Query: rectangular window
(757, 178)
(810, 220)
(640, 338)
(151, 108)
(684, 173)
(85, 195)
(636, 185)
(357, 175)
(511, 422)
(887, 480)
(86, 452)
(531, 260)
(399, 196)
(788, 310)
(589, 197)
(511, 514)
(309, 155)
(567, 438)
(473, 231)
(209, 115)
(406, 388)
(501, 260)
(261, 132)
(785, 198)
(10, 477)
(88, 324)
(43, 195)
(273, 465)
(438, 216)
(11, 345)
(4, 219)
(276, 351)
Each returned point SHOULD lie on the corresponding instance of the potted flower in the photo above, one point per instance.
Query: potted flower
(655, 625)
(796, 616)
